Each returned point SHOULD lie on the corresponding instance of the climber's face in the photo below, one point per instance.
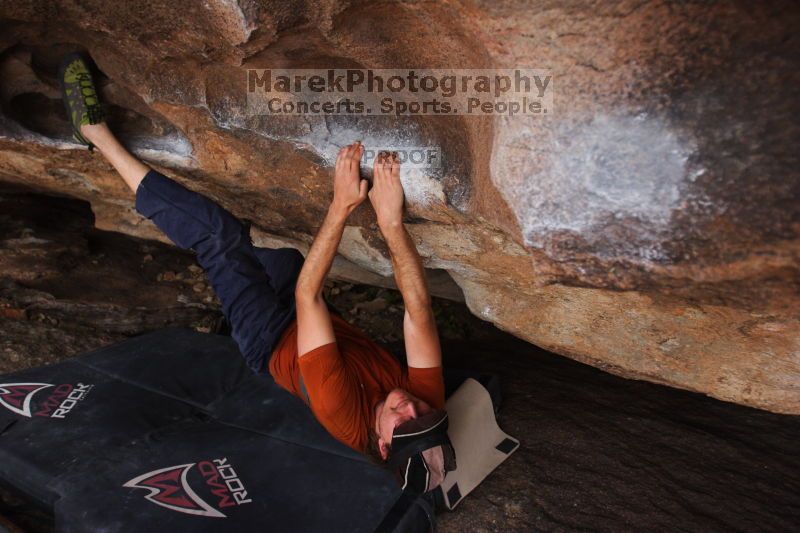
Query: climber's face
(398, 407)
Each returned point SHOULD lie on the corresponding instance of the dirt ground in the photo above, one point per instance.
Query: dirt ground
(598, 453)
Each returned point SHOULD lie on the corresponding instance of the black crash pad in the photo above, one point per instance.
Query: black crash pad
(171, 431)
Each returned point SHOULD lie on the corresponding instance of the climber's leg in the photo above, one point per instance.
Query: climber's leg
(257, 315)
(283, 266)
(131, 169)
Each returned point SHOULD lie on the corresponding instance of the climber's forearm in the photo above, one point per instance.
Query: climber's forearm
(420, 335)
(320, 257)
(408, 270)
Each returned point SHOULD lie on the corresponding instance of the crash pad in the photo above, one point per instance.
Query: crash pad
(171, 431)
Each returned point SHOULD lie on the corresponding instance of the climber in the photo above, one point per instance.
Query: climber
(273, 300)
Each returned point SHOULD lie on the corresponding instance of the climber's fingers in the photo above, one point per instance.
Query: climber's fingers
(385, 167)
(377, 168)
(395, 167)
(355, 160)
(340, 159)
(349, 159)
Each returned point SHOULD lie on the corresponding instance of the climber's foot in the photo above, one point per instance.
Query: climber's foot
(80, 98)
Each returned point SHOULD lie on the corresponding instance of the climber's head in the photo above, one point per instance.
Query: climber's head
(411, 437)
(399, 406)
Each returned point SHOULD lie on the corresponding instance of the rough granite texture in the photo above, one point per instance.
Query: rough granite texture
(649, 226)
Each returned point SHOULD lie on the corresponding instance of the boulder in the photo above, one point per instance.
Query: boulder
(648, 226)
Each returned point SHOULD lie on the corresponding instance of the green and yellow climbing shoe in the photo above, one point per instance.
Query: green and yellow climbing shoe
(80, 96)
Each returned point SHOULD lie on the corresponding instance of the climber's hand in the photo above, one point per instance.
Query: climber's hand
(349, 190)
(386, 194)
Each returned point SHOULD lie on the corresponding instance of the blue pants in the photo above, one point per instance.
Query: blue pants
(255, 285)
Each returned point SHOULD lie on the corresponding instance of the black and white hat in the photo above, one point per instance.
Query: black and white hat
(422, 453)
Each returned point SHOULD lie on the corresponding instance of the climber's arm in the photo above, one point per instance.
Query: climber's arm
(419, 325)
(314, 327)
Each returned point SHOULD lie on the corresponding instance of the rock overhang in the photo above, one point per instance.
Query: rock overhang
(650, 196)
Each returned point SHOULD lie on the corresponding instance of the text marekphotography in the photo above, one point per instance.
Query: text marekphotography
(467, 92)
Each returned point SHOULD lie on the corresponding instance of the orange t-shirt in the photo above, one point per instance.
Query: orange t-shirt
(346, 379)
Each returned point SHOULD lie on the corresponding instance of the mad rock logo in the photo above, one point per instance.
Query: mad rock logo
(171, 488)
(56, 402)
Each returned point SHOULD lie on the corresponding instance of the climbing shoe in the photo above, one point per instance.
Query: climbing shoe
(80, 96)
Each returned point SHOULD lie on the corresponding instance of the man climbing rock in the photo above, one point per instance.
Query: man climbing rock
(273, 300)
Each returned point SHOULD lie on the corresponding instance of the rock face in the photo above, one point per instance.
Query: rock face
(649, 226)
